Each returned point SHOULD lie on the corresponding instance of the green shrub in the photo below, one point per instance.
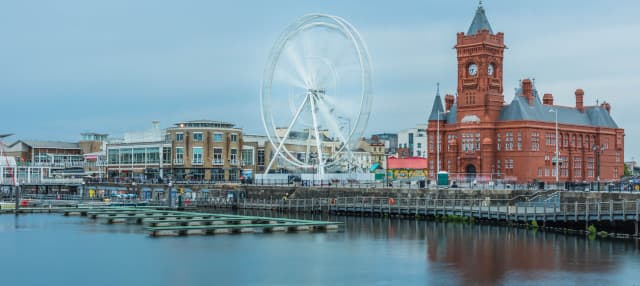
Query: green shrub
(592, 229)
(534, 224)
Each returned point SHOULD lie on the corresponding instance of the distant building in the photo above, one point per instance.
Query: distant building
(376, 149)
(205, 150)
(62, 157)
(390, 141)
(94, 151)
(414, 140)
(140, 155)
(300, 144)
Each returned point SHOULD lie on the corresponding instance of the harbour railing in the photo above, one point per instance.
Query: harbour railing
(544, 210)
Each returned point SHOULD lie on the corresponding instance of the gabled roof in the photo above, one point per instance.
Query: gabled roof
(48, 144)
(480, 22)
(519, 109)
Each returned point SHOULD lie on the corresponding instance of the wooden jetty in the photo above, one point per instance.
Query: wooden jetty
(161, 222)
(272, 226)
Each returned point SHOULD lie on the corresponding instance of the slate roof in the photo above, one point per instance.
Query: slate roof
(519, 109)
(480, 22)
(49, 144)
(437, 107)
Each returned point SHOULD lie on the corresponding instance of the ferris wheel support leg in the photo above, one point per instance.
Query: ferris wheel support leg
(307, 157)
(318, 143)
(286, 134)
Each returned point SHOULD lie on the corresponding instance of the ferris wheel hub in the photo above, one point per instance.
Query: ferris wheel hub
(316, 93)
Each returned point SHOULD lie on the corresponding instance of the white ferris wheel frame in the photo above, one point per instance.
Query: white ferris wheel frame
(314, 97)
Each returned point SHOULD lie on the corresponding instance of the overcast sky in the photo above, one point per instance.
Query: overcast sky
(114, 66)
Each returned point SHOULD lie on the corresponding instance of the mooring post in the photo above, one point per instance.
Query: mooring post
(637, 216)
(610, 210)
(544, 218)
(16, 193)
(586, 215)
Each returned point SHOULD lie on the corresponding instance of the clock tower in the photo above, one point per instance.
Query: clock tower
(480, 55)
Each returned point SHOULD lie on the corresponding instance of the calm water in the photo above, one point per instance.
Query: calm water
(57, 250)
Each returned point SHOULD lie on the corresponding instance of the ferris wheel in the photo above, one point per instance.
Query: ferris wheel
(316, 92)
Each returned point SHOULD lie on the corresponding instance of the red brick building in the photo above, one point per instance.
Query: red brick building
(482, 135)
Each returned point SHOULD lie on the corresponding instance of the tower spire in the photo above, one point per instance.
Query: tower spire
(480, 21)
(437, 107)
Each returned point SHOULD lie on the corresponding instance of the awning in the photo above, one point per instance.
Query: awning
(374, 167)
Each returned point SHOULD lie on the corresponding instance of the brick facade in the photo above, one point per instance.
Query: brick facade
(483, 136)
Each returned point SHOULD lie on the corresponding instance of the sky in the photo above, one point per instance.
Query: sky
(113, 66)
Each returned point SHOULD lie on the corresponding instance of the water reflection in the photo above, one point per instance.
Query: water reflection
(367, 251)
(488, 254)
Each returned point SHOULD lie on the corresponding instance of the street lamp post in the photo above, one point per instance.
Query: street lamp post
(556, 161)
(16, 193)
(438, 144)
(438, 147)
(134, 189)
(169, 193)
(82, 189)
(597, 149)
(386, 169)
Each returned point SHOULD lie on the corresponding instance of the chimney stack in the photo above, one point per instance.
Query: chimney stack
(449, 100)
(547, 99)
(606, 106)
(580, 99)
(527, 90)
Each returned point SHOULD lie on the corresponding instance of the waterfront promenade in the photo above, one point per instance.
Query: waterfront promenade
(546, 210)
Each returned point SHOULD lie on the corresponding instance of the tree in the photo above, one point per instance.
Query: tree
(627, 171)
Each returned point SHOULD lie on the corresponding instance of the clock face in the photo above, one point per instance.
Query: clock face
(490, 69)
(473, 69)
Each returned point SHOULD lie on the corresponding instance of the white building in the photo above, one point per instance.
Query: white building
(414, 139)
(140, 154)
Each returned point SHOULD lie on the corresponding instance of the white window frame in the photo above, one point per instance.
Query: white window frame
(194, 160)
(233, 157)
(218, 161)
(180, 160)
(194, 137)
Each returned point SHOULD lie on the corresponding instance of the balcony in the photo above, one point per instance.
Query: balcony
(43, 181)
(470, 82)
(179, 161)
(217, 162)
(494, 83)
(75, 164)
(196, 162)
(233, 162)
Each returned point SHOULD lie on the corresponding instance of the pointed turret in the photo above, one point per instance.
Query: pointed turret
(437, 108)
(480, 22)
